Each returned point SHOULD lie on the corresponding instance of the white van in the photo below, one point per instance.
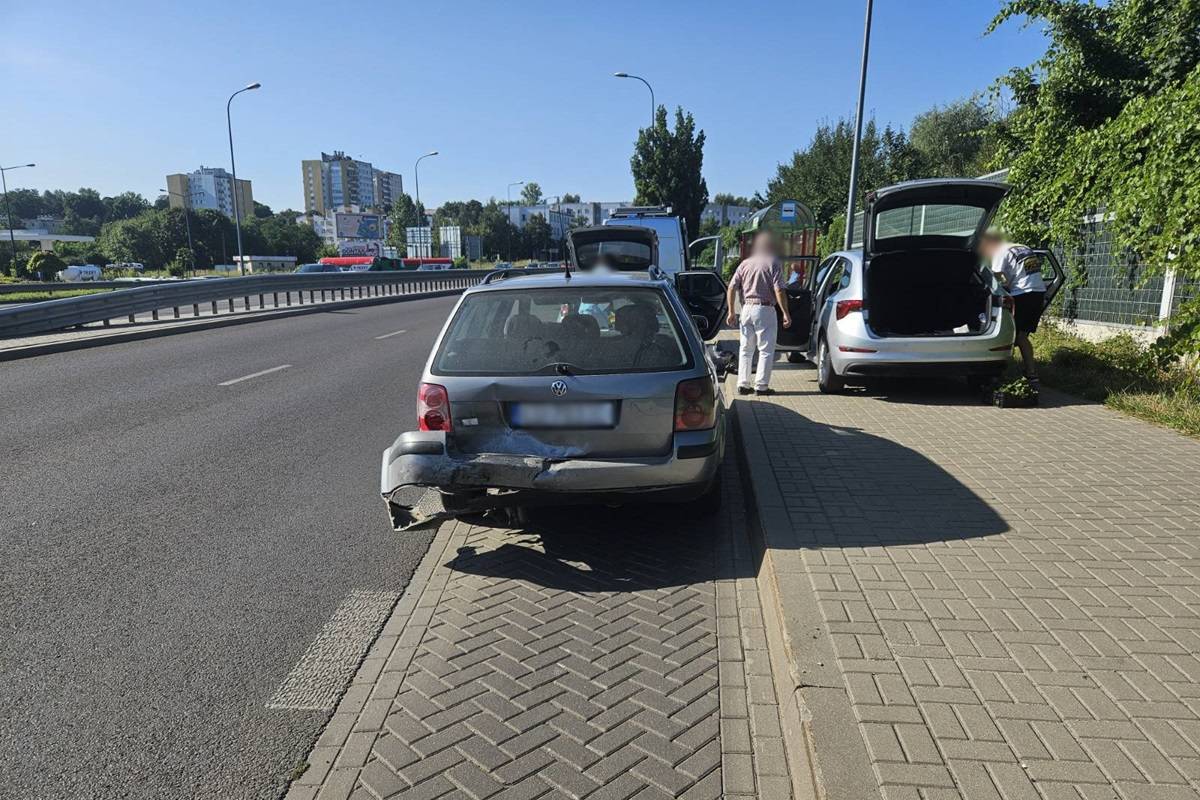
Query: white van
(671, 230)
(79, 272)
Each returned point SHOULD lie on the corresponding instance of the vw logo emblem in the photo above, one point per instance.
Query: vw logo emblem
(559, 388)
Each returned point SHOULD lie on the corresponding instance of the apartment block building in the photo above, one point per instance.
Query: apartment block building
(212, 188)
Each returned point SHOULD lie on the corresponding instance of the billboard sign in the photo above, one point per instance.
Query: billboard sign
(357, 226)
(360, 248)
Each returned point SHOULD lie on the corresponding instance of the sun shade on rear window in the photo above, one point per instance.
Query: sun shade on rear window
(619, 255)
(928, 220)
(585, 331)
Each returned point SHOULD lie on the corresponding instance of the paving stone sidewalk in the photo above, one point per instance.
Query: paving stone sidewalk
(599, 654)
(1012, 596)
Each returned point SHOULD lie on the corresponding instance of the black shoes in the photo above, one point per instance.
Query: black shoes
(764, 392)
(745, 390)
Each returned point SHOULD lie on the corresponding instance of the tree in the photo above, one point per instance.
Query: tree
(531, 194)
(819, 174)
(1105, 122)
(954, 140)
(537, 235)
(405, 214)
(725, 199)
(570, 198)
(667, 166)
(25, 204)
(43, 264)
(262, 210)
(126, 205)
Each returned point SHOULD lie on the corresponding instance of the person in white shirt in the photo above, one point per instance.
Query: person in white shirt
(1019, 270)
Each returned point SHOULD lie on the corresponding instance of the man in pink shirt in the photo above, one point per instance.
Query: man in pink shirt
(759, 280)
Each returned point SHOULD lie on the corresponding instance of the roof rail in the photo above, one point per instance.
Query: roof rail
(642, 211)
(657, 273)
(495, 275)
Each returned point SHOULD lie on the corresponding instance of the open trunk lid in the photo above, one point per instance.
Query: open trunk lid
(929, 214)
(627, 247)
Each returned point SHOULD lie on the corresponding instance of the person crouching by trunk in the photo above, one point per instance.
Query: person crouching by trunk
(1019, 270)
(759, 281)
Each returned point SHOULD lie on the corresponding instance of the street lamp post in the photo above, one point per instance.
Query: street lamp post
(508, 228)
(12, 237)
(187, 221)
(237, 220)
(858, 126)
(420, 210)
(653, 107)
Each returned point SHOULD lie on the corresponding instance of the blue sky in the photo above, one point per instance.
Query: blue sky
(117, 95)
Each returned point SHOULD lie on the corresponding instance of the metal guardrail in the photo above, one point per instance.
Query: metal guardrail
(181, 296)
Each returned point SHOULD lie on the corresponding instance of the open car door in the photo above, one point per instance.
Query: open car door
(703, 292)
(1053, 275)
(800, 307)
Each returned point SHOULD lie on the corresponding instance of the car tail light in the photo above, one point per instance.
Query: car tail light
(695, 405)
(433, 408)
(1006, 302)
(845, 307)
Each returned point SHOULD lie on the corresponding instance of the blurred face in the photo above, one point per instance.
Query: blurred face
(764, 244)
(988, 244)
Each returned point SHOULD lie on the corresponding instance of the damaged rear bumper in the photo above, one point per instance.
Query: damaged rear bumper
(423, 482)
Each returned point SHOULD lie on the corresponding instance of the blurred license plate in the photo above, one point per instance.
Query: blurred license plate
(563, 415)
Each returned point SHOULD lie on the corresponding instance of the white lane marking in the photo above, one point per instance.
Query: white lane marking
(329, 663)
(393, 333)
(254, 375)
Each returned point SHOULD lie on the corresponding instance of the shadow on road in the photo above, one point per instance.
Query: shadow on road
(600, 549)
(843, 487)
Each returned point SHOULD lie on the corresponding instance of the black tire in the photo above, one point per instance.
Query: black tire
(795, 357)
(828, 381)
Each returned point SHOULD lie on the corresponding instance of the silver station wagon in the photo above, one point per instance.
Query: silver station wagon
(574, 387)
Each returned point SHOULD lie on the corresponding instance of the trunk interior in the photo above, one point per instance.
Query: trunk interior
(927, 293)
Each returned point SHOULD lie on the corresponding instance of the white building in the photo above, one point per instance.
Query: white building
(337, 182)
(210, 187)
(558, 215)
(726, 215)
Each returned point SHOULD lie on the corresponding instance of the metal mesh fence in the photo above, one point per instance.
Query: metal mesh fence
(1106, 285)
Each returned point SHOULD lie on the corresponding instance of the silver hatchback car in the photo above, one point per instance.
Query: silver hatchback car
(566, 388)
(915, 300)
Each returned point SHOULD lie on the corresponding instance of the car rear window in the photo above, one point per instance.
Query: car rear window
(622, 255)
(928, 220)
(590, 330)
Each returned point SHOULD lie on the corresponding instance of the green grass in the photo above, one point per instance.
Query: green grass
(34, 297)
(1123, 374)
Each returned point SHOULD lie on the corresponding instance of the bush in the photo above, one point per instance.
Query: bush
(44, 263)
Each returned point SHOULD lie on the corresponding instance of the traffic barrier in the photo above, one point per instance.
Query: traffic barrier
(223, 295)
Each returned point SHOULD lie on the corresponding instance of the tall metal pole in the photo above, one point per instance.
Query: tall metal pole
(858, 126)
(507, 216)
(420, 210)
(237, 218)
(12, 237)
(653, 107)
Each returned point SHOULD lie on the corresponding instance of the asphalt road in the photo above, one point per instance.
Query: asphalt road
(169, 546)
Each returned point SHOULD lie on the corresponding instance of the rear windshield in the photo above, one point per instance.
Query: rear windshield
(589, 330)
(928, 220)
(619, 255)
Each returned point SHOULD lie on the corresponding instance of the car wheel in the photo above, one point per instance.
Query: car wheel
(828, 381)
(795, 357)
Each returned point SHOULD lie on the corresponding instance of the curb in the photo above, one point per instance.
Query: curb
(152, 332)
(827, 757)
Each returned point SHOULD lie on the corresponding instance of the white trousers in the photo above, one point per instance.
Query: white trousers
(758, 328)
